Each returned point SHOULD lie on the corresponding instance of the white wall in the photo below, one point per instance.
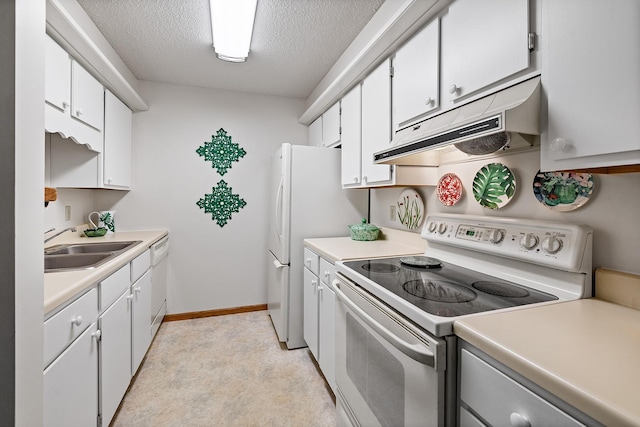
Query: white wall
(209, 267)
(612, 211)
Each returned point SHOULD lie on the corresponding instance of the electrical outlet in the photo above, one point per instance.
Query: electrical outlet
(67, 213)
(392, 213)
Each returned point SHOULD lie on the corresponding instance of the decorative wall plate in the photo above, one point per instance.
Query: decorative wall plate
(410, 209)
(563, 191)
(494, 185)
(449, 189)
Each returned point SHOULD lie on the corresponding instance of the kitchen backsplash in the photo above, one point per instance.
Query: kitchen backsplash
(611, 210)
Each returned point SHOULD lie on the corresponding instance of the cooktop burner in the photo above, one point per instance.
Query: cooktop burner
(447, 290)
(501, 289)
(380, 267)
(439, 291)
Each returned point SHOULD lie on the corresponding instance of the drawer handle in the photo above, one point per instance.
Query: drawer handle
(97, 335)
(518, 420)
(137, 289)
(77, 321)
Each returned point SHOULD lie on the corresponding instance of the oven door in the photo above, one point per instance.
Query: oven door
(388, 371)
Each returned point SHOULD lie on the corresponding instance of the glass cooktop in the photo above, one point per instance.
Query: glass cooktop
(445, 289)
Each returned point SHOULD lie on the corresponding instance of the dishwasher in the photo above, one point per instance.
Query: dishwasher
(159, 255)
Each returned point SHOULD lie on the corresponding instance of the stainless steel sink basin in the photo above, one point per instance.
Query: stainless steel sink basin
(83, 256)
(89, 248)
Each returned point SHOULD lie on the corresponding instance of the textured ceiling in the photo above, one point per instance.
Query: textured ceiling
(295, 42)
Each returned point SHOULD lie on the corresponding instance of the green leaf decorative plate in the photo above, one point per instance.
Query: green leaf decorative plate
(410, 209)
(563, 191)
(494, 185)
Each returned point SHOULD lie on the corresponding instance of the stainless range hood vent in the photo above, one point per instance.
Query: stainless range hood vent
(477, 128)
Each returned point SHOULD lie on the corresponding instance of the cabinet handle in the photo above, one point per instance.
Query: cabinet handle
(428, 101)
(130, 297)
(327, 274)
(137, 289)
(518, 420)
(77, 320)
(78, 113)
(65, 105)
(355, 179)
(308, 262)
(364, 179)
(320, 288)
(453, 89)
(97, 335)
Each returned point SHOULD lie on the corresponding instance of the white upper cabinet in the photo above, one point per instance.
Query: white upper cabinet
(376, 124)
(117, 143)
(415, 76)
(315, 132)
(325, 130)
(331, 126)
(74, 99)
(483, 42)
(590, 68)
(86, 97)
(351, 138)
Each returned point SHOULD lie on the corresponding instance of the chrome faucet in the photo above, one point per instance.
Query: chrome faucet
(59, 233)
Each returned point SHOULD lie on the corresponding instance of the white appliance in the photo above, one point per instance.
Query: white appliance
(395, 348)
(307, 200)
(159, 260)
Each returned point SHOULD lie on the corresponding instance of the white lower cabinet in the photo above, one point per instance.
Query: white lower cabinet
(71, 384)
(490, 395)
(141, 320)
(319, 314)
(95, 345)
(115, 355)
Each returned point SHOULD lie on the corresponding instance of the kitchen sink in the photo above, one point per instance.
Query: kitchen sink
(83, 256)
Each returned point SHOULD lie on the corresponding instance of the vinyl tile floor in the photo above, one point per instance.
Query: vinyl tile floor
(226, 371)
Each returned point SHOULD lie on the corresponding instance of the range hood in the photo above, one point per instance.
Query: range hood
(489, 123)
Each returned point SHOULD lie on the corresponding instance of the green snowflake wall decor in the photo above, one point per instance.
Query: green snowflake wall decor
(221, 151)
(221, 203)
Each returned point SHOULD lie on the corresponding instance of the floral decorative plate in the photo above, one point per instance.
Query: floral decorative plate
(563, 191)
(494, 185)
(410, 209)
(449, 189)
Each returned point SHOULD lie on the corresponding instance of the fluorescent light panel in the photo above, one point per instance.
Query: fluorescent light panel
(232, 28)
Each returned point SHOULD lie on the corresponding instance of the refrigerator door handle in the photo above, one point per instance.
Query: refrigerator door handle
(279, 209)
(278, 264)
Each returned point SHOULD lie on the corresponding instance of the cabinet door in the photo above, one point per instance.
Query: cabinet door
(310, 307)
(115, 355)
(315, 132)
(71, 384)
(483, 42)
(376, 123)
(57, 86)
(87, 97)
(590, 69)
(327, 334)
(415, 76)
(141, 323)
(331, 126)
(117, 142)
(351, 141)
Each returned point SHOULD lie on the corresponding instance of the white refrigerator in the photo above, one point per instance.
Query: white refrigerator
(306, 201)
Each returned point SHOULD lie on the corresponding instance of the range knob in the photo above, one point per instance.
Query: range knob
(529, 241)
(442, 227)
(551, 245)
(432, 226)
(496, 236)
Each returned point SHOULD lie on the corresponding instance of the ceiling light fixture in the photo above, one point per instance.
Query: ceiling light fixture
(232, 28)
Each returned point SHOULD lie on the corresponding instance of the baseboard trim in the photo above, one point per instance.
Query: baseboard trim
(210, 313)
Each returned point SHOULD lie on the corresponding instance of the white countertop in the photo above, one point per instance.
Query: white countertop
(586, 352)
(391, 243)
(60, 287)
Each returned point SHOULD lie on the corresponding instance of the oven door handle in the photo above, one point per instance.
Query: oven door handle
(414, 351)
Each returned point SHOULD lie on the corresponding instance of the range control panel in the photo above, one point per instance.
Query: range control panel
(539, 242)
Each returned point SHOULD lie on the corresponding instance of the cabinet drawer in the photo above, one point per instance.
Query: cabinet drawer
(497, 398)
(327, 272)
(113, 286)
(140, 265)
(61, 329)
(311, 261)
